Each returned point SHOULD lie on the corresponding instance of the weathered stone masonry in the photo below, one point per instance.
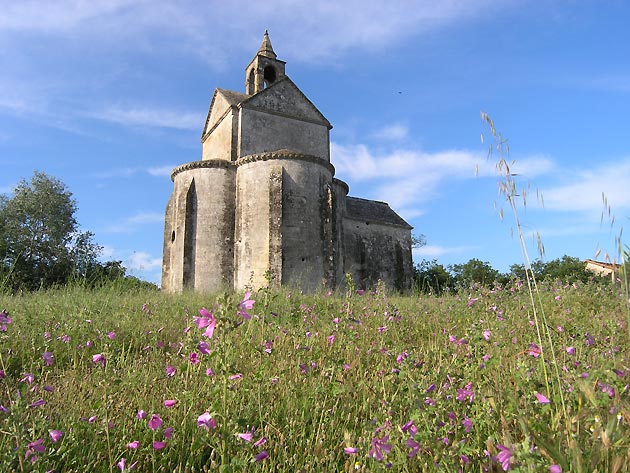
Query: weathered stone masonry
(263, 201)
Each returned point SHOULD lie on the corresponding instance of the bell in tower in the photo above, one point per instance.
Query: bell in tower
(265, 68)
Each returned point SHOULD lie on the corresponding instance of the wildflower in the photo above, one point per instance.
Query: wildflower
(141, 414)
(170, 371)
(400, 358)
(382, 329)
(409, 427)
(245, 305)
(4, 321)
(155, 422)
(336, 320)
(429, 401)
(542, 398)
(261, 456)
(55, 435)
(331, 339)
(504, 457)
(48, 358)
(606, 388)
(64, 338)
(534, 350)
(350, 450)
(379, 448)
(472, 300)
(206, 421)
(2, 374)
(28, 378)
(414, 446)
(37, 403)
(207, 321)
(168, 432)
(589, 339)
(34, 447)
(194, 358)
(557, 298)
(169, 403)
(91, 419)
(247, 436)
(99, 359)
(467, 423)
(466, 393)
(571, 350)
(209, 372)
(555, 469)
(261, 441)
(204, 348)
(464, 458)
(111, 335)
(486, 335)
(157, 445)
(236, 376)
(133, 445)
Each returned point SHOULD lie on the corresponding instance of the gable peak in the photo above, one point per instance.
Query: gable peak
(266, 49)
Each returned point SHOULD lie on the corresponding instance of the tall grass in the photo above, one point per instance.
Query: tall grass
(310, 383)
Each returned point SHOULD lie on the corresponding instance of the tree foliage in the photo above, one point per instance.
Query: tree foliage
(567, 269)
(475, 271)
(40, 242)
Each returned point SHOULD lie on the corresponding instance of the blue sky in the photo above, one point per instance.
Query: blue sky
(110, 95)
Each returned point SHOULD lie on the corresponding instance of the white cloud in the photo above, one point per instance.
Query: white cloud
(142, 262)
(409, 178)
(581, 191)
(131, 224)
(435, 251)
(395, 132)
(146, 117)
(161, 171)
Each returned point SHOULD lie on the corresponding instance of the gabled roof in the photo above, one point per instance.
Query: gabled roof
(232, 98)
(373, 211)
(289, 100)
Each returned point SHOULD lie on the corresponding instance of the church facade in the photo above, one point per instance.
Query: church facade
(262, 206)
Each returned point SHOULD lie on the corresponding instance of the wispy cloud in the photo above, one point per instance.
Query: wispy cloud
(582, 190)
(435, 251)
(407, 179)
(146, 117)
(394, 132)
(161, 171)
(131, 224)
(142, 261)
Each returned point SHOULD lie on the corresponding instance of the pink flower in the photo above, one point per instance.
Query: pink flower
(141, 414)
(209, 372)
(542, 398)
(111, 335)
(170, 371)
(486, 334)
(206, 421)
(207, 321)
(245, 305)
(48, 358)
(28, 378)
(194, 358)
(133, 445)
(99, 359)
(414, 446)
(236, 376)
(571, 350)
(55, 435)
(158, 445)
(155, 422)
(466, 393)
(261, 441)
(39, 402)
(247, 436)
(168, 432)
(169, 402)
(331, 339)
(467, 423)
(33, 448)
(534, 350)
(380, 448)
(409, 427)
(204, 348)
(471, 301)
(557, 298)
(504, 457)
(261, 456)
(4, 321)
(555, 469)
(350, 450)
(400, 358)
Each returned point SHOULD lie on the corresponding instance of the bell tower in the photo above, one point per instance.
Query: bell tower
(265, 68)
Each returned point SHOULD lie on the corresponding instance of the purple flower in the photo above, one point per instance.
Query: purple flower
(350, 450)
(39, 402)
(245, 305)
(194, 358)
(48, 358)
(157, 445)
(542, 398)
(141, 414)
(261, 456)
(55, 435)
(555, 469)
(261, 441)
(133, 445)
(331, 339)
(204, 348)
(504, 457)
(33, 448)
(111, 335)
(467, 423)
(400, 358)
(207, 321)
(472, 300)
(409, 427)
(168, 432)
(169, 402)
(380, 448)
(607, 388)
(534, 350)
(28, 378)
(247, 436)
(236, 376)
(170, 371)
(209, 372)
(589, 339)
(99, 359)
(206, 421)
(487, 334)
(414, 446)
(466, 393)
(155, 422)
(571, 350)
(4, 321)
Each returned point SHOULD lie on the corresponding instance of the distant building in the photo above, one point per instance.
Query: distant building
(602, 269)
(263, 204)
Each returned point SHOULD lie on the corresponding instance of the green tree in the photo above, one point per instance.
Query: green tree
(40, 244)
(433, 278)
(475, 271)
(567, 269)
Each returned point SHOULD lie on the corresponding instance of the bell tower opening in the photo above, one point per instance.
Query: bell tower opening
(264, 70)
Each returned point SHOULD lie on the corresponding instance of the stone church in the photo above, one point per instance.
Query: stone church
(263, 204)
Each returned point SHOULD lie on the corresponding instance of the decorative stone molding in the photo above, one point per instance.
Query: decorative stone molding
(208, 163)
(285, 154)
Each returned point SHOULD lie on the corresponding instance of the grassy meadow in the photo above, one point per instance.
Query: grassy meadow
(112, 380)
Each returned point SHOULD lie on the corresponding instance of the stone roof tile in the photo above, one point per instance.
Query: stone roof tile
(373, 211)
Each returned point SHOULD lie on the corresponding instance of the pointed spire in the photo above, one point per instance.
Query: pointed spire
(265, 48)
